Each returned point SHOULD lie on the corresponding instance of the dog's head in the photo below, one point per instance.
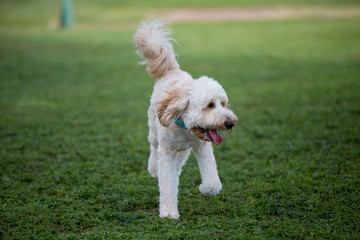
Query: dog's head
(202, 107)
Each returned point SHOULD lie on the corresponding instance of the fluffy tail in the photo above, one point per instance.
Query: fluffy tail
(153, 44)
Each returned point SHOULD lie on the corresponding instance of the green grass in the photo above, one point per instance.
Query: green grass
(73, 128)
(115, 13)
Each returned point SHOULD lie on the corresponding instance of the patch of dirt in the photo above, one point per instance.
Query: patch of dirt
(214, 15)
(258, 14)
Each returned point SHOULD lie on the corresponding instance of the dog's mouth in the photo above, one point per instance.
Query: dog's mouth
(210, 135)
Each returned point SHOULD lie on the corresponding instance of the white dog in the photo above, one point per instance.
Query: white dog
(184, 114)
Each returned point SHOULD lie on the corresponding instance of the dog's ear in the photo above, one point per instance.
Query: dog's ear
(172, 103)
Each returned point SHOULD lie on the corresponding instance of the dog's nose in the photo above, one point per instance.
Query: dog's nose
(229, 124)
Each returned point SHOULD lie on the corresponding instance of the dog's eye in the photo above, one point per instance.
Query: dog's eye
(223, 103)
(211, 105)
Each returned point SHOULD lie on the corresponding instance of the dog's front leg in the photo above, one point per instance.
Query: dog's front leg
(168, 183)
(211, 184)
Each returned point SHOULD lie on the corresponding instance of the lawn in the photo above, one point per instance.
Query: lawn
(73, 128)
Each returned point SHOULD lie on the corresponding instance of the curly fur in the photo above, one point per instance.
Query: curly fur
(200, 104)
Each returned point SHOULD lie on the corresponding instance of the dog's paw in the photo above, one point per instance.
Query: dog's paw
(170, 214)
(210, 189)
(153, 173)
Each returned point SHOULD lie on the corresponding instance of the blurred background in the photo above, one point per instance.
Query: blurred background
(112, 14)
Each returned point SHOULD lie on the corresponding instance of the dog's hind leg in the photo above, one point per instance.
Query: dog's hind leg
(181, 158)
(152, 162)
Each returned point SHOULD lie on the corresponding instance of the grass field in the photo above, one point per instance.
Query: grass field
(73, 128)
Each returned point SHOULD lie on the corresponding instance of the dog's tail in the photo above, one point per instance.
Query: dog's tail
(153, 44)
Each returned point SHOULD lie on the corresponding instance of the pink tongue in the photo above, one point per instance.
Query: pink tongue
(216, 136)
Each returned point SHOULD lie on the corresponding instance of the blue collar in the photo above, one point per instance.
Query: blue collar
(179, 123)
